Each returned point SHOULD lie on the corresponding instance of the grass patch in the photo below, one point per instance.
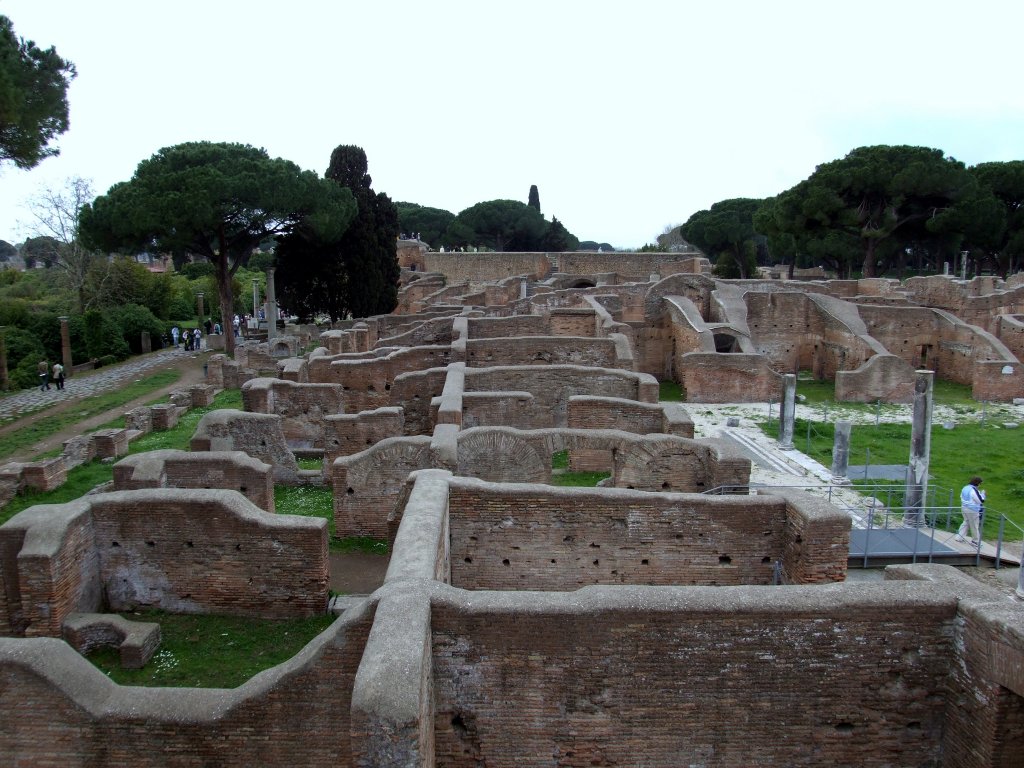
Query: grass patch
(306, 462)
(212, 651)
(17, 440)
(579, 479)
(83, 479)
(671, 391)
(365, 544)
(988, 450)
(560, 460)
(314, 501)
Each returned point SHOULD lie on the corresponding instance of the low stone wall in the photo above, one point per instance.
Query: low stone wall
(184, 551)
(367, 485)
(350, 433)
(258, 434)
(883, 377)
(541, 350)
(303, 408)
(225, 470)
(734, 378)
(511, 537)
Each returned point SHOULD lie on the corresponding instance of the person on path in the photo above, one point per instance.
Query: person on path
(58, 375)
(208, 326)
(972, 505)
(197, 340)
(44, 375)
(175, 333)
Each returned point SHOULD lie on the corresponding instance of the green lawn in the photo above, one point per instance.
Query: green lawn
(212, 651)
(313, 501)
(990, 450)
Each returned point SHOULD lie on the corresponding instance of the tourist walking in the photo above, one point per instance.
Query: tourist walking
(197, 340)
(58, 375)
(175, 333)
(972, 506)
(44, 375)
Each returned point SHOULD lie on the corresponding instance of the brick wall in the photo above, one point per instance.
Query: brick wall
(729, 378)
(258, 434)
(504, 327)
(482, 267)
(302, 407)
(225, 470)
(541, 350)
(68, 713)
(731, 676)
(351, 433)
(539, 538)
(573, 322)
(186, 551)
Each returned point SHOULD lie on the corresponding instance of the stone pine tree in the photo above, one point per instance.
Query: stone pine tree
(534, 201)
(356, 275)
(33, 98)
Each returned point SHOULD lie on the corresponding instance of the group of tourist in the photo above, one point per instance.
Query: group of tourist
(192, 340)
(44, 375)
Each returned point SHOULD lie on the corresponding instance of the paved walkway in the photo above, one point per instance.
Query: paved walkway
(88, 383)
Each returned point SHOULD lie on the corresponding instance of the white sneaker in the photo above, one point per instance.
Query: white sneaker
(960, 538)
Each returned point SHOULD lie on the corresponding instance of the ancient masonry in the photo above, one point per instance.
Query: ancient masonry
(644, 622)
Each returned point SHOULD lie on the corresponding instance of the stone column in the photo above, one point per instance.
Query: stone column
(787, 411)
(3, 358)
(920, 450)
(841, 452)
(65, 346)
(202, 308)
(146, 342)
(271, 306)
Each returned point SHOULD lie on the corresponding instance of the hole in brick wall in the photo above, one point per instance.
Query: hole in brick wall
(114, 544)
(844, 727)
(595, 545)
(724, 559)
(630, 487)
(569, 539)
(505, 562)
(799, 539)
(597, 562)
(238, 547)
(387, 387)
(150, 543)
(767, 533)
(914, 725)
(189, 544)
(645, 561)
(665, 486)
(553, 560)
(350, 490)
(468, 559)
(766, 559)
(371, 388)
(243, 489)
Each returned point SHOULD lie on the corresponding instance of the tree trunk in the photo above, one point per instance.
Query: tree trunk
(227, 300)
(869, 258)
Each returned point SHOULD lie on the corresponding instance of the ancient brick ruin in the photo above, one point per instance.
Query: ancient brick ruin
(640, 622)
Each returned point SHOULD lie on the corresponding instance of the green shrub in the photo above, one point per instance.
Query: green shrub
(103, 336)
(133, 321)
(23, 355)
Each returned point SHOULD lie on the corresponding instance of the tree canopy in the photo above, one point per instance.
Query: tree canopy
(218, 200)
(502, 225)
(1003, 248)
(430, 223)
(356, 274)
(887, 200)
(33, 98)
(726, 234)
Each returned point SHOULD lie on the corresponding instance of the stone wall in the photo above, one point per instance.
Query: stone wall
(351, 433)
(734, 378)
(511, 537)
(184, 551)
(541, 350)
(731, 676)
(224, 470)
(486, 267)
(302, 407)
(258, 434)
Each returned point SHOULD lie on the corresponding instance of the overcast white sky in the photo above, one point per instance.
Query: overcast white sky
(628, 116)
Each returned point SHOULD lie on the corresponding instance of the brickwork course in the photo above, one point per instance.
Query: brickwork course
(638, 623)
